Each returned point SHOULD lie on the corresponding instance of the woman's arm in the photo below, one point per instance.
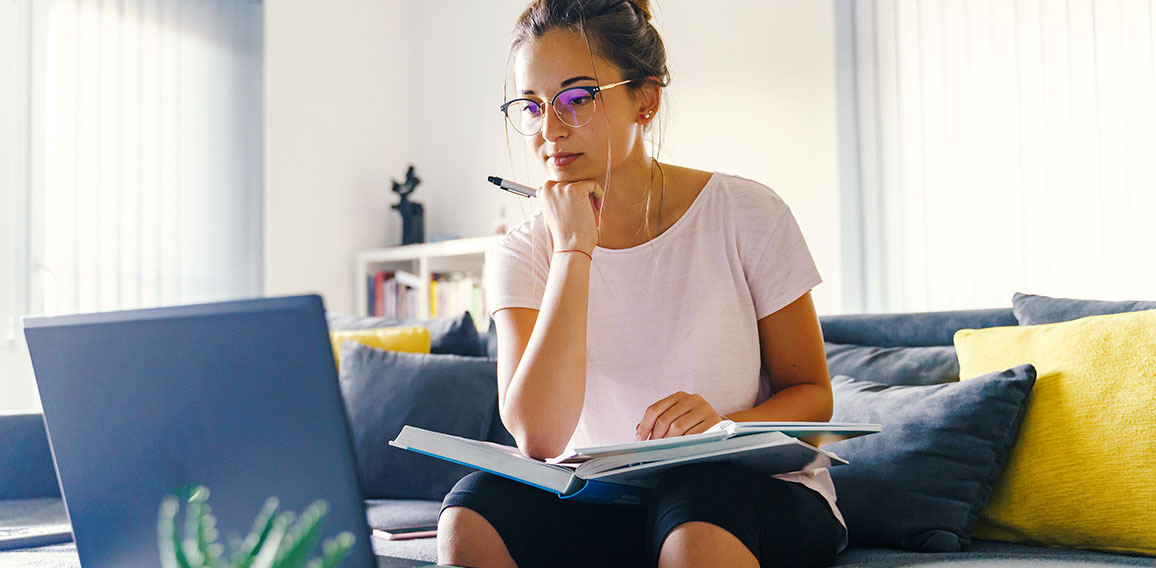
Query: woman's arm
(542, 360)
(792, 345)
(542, 353)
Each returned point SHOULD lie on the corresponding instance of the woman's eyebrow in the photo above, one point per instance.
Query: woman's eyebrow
(565, 83)
(573, 80)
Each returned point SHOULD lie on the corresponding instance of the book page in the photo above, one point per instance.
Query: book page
(580, 455)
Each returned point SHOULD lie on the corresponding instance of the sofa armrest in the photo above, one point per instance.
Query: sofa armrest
(26, 467)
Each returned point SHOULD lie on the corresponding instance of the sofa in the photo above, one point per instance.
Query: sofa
(912, 495)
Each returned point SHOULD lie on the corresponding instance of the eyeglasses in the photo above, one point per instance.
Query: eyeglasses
(574, 106)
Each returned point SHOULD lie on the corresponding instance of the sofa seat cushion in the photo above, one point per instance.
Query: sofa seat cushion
(44, 513)
(386, 513)
(984, 554)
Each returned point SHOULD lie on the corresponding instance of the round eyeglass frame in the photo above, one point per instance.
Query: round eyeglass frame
(592, 90)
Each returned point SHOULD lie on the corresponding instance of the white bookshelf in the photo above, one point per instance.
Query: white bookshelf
(423, 260)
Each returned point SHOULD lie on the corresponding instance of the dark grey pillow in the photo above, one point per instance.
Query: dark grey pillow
(1035, 310)
(490, 340)
(894, 365)
(454, 335)
(385, 390)
(920, 483)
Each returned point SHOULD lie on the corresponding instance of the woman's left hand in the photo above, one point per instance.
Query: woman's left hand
(678, 414)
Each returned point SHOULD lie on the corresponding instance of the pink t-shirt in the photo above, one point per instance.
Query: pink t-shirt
(679, 312)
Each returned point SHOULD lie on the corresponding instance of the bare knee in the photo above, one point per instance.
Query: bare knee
(466, 538)
(704, 544)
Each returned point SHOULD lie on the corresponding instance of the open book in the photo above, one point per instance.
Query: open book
(624, 473)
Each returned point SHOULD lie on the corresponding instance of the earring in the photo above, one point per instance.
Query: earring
(647, 115)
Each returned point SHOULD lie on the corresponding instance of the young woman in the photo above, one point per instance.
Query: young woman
(642, 302)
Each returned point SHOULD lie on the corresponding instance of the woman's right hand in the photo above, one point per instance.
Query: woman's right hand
(572, 210)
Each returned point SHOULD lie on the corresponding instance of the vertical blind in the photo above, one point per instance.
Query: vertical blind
(154, 153)
(131, 160)
(15, 23)
(1005, 145)
(17, 391)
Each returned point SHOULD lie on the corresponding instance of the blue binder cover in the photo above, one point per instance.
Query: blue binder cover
(610, 493)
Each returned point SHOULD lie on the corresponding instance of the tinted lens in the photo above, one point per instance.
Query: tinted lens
(525, 116)
(574, 106)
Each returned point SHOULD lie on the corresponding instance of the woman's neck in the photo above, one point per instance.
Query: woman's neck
(625, 212)
(632, 206)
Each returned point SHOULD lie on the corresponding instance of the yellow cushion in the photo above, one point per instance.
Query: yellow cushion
(411, 339)
(1083, 471)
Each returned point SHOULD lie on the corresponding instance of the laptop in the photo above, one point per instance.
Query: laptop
(239, 397)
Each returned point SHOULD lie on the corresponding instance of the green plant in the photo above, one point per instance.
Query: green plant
(278, 539)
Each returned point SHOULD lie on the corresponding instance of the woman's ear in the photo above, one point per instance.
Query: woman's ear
(648, 100)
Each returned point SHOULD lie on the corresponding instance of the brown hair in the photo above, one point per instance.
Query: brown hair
(618, 31)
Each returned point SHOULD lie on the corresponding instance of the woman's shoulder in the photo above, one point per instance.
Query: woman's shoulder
(528, 235)
(747, 195)
(745, 187)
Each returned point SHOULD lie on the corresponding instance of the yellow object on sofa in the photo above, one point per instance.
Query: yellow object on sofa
(1083, 472)
(411, 339)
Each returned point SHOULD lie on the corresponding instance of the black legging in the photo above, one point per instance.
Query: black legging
(782, 523)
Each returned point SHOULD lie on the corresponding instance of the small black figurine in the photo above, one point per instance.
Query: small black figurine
(412, 213)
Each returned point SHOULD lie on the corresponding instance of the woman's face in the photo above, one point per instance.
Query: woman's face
(561, 59)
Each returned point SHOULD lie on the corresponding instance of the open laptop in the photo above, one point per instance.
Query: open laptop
(240, 397)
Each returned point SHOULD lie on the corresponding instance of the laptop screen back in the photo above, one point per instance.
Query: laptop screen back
(240, 397)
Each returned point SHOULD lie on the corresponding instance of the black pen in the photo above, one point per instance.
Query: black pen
(513, 187)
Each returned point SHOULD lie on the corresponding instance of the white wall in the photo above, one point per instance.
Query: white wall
(358, 90)
(753, 94)
(337, 130)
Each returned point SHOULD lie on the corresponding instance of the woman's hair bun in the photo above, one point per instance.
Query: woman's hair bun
(643, 7)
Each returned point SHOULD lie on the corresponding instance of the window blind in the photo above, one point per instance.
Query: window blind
(154, 154)
(1004, 145)
(131, 160)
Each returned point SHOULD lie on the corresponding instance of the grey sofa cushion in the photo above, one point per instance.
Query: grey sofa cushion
(921, 482)
(490, 340)
(385, 390)
(386, 513)
(910, 330)
(985, 554)
(894, 365)
(455, 335)
(1034, 310)
(26, 468)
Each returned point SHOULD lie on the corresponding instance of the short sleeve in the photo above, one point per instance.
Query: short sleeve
(516, 269)
(784, 270)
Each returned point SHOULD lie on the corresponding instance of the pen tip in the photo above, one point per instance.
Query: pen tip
(494, 180)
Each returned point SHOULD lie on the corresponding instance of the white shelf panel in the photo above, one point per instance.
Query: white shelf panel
(460, 255)
(459, 247)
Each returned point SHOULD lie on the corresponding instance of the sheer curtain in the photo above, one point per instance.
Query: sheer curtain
(154, 164)
(149, 142)
(16, 17)
(1005, 145)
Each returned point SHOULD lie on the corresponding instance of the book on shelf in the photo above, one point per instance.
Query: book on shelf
(457, 292)
(395, 294)
(392, 293)
(625, 473)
